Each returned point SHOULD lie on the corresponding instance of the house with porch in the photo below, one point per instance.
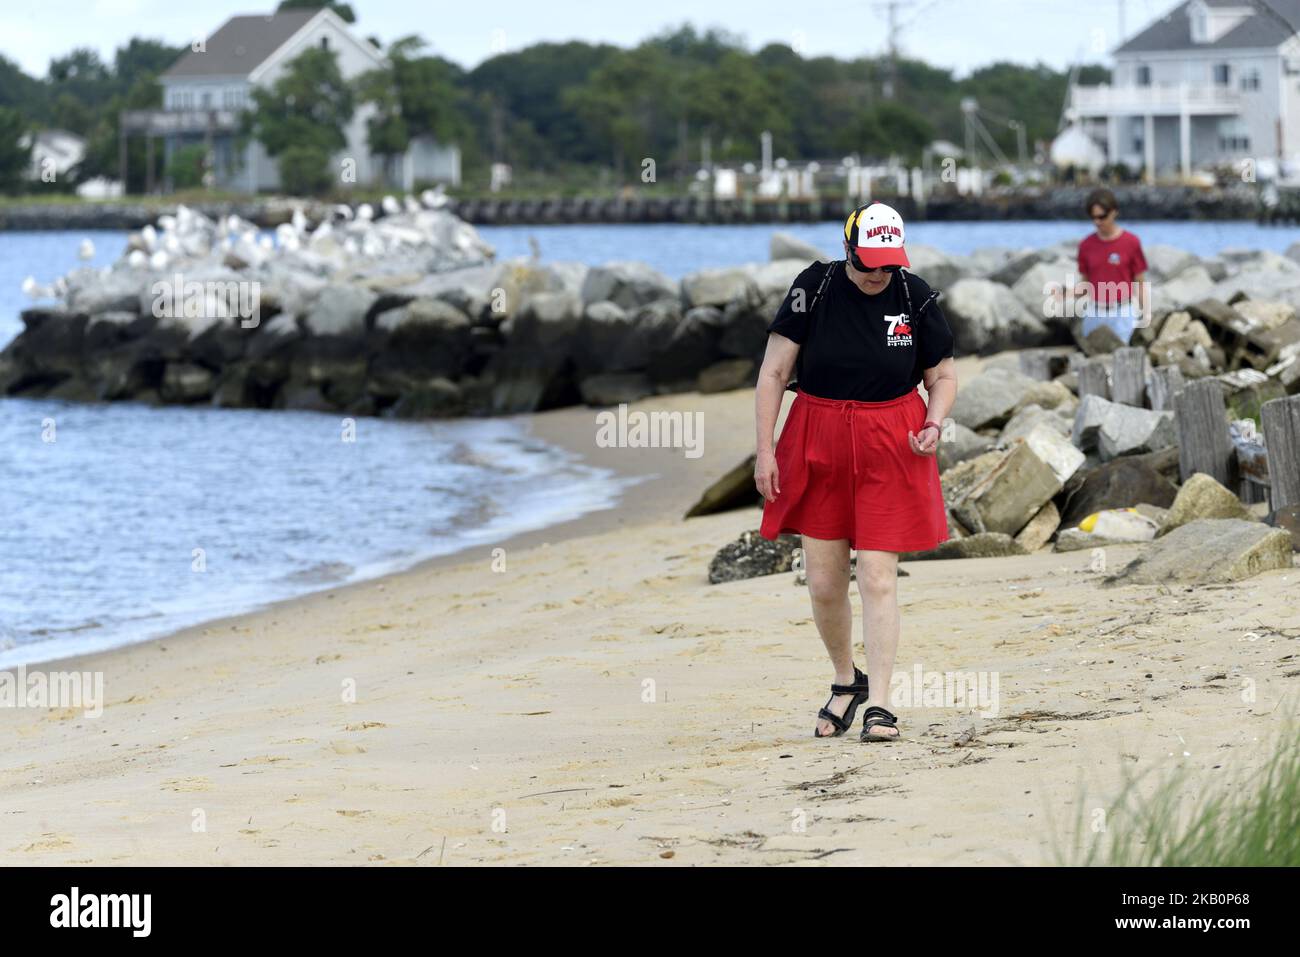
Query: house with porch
(1212, 82)
(207, 89)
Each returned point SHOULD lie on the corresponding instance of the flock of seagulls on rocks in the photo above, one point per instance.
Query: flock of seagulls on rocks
(346, 234)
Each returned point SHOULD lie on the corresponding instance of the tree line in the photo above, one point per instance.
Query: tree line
(559, 113)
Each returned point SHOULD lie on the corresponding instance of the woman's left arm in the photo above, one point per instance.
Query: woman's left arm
(941, 387)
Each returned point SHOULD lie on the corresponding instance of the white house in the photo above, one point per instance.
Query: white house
(1211, 82)
(210, 85)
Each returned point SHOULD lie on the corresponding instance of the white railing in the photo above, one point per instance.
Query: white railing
(1103, 100)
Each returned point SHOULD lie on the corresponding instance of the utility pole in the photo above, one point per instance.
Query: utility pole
(891, 66)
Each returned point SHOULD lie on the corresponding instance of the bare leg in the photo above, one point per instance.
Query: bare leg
(878, 586)
(827, 564)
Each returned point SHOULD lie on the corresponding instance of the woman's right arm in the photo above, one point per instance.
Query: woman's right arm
(773, 376)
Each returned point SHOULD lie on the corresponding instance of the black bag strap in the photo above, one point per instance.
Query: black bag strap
(793, 384)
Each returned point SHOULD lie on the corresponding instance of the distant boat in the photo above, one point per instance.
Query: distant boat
(1073, 147)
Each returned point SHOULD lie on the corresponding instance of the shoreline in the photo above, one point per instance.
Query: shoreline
(597, 702)
(560, 428)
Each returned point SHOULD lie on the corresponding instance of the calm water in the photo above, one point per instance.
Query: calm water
(99, 527)
(677, 249)
(102, 509)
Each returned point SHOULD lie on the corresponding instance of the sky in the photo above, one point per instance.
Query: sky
(958, 34)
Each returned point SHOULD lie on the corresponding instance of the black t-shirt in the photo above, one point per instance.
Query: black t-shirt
(862, 347)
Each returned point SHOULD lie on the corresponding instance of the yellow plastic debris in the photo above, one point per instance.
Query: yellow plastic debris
(1091, 520)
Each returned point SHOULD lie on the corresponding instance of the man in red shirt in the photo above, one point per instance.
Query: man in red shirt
(1112, 271)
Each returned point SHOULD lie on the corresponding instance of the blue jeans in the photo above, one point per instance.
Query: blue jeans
(1122, 317)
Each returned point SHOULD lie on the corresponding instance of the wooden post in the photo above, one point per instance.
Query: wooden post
(1203, 441)
(1093, 378)
(1128, 376)
(1281, 422)
(1164, 383)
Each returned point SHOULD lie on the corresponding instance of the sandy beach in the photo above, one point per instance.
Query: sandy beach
(593, 700)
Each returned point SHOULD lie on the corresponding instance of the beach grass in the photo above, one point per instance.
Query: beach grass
(1248, 820)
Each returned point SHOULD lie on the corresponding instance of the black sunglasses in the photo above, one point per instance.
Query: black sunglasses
(861, 267)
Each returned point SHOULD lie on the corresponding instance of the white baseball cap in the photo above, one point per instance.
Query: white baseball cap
(875, 235)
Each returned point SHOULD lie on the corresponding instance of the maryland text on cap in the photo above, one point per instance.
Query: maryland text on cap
(875, 234)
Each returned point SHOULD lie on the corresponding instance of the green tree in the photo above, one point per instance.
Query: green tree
(14, 157)
(414, 95)
(630, 105)
(309, 106)
(344, 10)
(186, 166)
(305, 171)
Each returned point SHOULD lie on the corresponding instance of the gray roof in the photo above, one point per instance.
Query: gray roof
(241, 45)
(1173, 31)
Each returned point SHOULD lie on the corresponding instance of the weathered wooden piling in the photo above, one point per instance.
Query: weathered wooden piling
(1128, 376)
(1094, 377)
(1163, 383)
(1281, 423)
(1204, 444)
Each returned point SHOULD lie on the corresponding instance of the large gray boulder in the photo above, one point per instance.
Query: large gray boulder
(629, 284)
(1036, 288)
(1202, 497)
(718, 287)
(1115, 429)
(1008, 495)
(1189, 285)
(340, 310)
(785, 245)
(990, 397)
(959, 444)
(1209, 550)
(987, 317)
(1165, 262)
(533, 370)
(425, 338)
(1008, 273)
(937, 268)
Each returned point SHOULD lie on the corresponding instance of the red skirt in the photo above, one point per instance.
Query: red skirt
(846, 470)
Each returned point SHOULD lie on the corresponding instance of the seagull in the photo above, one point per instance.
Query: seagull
(299, 221)
(150, 237)
(391, 206)
(158, 260)
(434, 199)
(137, 259)
(86, 250)
(365, 213)
(411, 205)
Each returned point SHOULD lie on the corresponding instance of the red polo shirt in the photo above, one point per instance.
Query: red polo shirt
(1107, 261)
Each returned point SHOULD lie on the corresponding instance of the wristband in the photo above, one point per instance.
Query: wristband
(935, 424)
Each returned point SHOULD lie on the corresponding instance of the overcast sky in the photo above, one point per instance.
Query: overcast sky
(961, 34)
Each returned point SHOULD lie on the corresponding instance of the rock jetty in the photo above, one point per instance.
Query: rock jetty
(405, 311)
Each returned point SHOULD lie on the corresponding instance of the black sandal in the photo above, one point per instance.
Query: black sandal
(878, 717)
(859, 691)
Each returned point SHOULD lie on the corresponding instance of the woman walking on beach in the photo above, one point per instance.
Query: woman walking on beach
(855, 466)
